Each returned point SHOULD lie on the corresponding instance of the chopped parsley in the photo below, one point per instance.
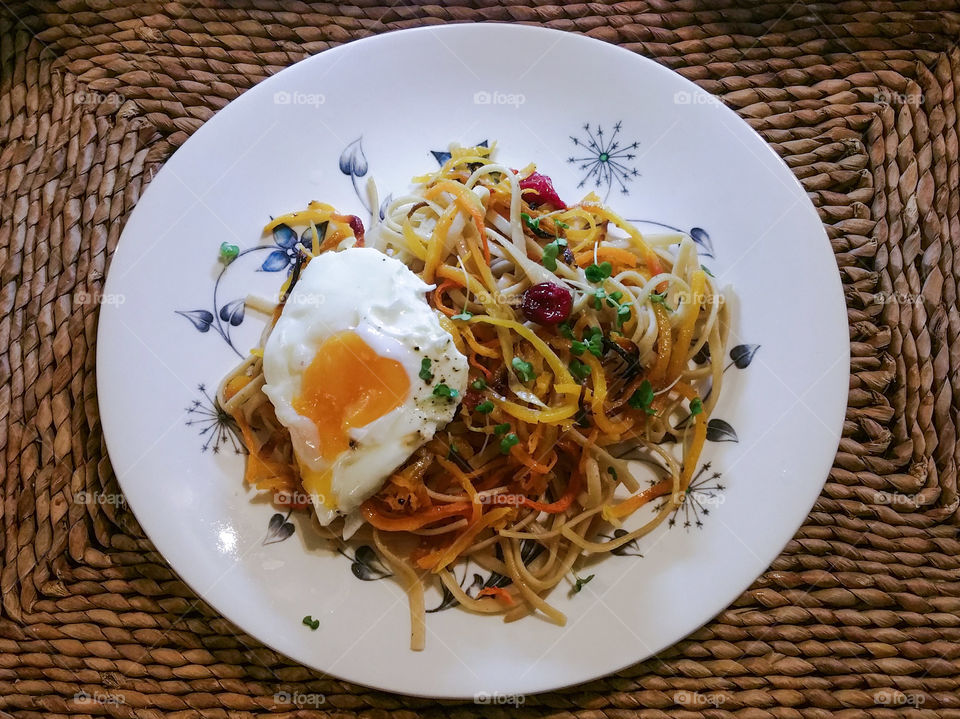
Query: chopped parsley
(425, 374)
(484, 407)
(309, 621)
(441, 390)
(510, 440)
(696, 406)
(643, 398)
(579, 370)
(479, 384)
(598, 273)
(523, 369)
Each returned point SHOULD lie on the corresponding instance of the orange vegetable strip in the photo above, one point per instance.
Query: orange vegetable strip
(414, 521)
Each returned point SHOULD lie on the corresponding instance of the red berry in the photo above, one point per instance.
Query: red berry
(543, 192)
(547, 303)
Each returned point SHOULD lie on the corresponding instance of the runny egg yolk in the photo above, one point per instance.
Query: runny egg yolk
(346, 385)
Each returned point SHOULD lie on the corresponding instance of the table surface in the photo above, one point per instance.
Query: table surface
(860, 613)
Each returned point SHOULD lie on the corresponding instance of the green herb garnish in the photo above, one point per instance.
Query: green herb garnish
(551, 251)
(643, 398)
(501, 428)
(309, 621)
(465, 315)
(479, 384)
(507, 442)
(696, 406)
(599, 295)
(623, 314)
(704, 268)
(484, 407)
(613, 473)
(660, 299)
(533, 223)
(228, 252)
(441, 390)
(593, 341)
(523, 369)
(581, 581)
(579, 370)
(598, 273)
(565, 329)
(425, 374)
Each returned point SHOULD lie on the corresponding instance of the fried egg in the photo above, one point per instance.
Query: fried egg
(351, 368)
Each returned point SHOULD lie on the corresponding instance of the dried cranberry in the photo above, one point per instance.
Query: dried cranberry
(547, 303)
(544, 193)
(356, 224)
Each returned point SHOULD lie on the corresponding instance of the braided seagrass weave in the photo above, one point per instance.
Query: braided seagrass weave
(860, 614)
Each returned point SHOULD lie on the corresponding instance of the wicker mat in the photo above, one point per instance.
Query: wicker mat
(860, 614)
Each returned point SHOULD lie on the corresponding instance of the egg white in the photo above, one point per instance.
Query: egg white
(362, 290)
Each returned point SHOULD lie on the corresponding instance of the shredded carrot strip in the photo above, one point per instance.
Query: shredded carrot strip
(466, 484)
(562, 504)
(438, 298)
(498, 593)
(468, 535)
(415, 521)
(632, 504)
(474, 362)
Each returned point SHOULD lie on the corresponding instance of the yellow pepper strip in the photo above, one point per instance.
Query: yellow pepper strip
(466, 201)
(455, 274)
(302, 217)
(559, 368)
(617, 256)
(599, 381)
(664, 345)
(438, 243)
(414, 242)
(480, 349)
(681, 347)
(692, 455)
(465, 539)
(582, 237)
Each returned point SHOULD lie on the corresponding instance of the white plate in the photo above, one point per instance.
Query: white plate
(667, 153)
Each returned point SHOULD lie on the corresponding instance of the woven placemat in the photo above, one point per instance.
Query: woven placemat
(859, 615)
